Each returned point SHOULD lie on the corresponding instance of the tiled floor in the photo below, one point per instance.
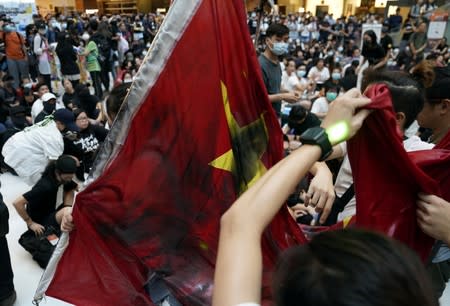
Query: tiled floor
(26, 272)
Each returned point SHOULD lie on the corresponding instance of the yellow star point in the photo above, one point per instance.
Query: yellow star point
(249, 143)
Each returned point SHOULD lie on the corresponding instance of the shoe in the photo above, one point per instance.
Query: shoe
(9, 301)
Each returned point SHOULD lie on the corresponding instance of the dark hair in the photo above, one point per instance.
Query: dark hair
(408, 93)
(297, 113)
(115, 99)
(352, 267)
(39, 85)
(277, 29)
(77, 112)
(372, 36)
(93, 25)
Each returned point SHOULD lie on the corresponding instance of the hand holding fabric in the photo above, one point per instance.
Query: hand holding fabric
(345, 109)
(321, 193)
(433, 216)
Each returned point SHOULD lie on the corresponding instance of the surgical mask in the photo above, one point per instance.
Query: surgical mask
(330, 53)
(43, 31)
(85, 37)
(128, 80)
(280, 48)
(28, 85)
(336, 76)
(331, 96)
(340, 49)
(10, 28)
(301, 73)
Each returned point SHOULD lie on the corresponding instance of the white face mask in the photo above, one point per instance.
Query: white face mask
(85, 37)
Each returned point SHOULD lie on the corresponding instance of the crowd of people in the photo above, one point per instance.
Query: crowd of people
(63, 82)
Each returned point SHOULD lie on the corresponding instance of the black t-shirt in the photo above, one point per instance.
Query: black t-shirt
(42, 197)
(311, 120)
(386, 43)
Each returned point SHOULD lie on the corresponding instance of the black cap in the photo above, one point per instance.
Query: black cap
(66, 164)
(66, 117)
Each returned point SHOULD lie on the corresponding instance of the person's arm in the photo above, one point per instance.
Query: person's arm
(321, 190)
(286, 96)
(20, 206)
(238, 270)
(433, 217)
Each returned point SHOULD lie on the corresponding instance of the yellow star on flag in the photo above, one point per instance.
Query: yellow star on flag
(248, 143)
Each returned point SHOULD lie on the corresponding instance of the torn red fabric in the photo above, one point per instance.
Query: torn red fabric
(387, 179)
(202, 133)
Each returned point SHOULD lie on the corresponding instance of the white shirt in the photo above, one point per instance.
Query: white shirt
(289, 83)
(38, 107)
(320, 105)
(345, 178)
(29, 151)
(319, 76)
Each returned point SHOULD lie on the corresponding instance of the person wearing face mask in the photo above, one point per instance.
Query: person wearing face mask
(28, 152)
(301, 74)
(41, 49)
(37, 207)
(276, 46)
(15, 51)
(336, 78)
(49, 104)
(320, 105)
(38, 105)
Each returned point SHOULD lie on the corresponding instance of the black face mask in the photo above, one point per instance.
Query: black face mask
(49, 108)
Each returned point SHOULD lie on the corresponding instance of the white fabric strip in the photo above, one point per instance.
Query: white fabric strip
(178, 18)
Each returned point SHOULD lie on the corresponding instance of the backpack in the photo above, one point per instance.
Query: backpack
(40, 247)
(104, 48)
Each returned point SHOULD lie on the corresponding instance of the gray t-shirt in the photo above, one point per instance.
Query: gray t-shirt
(272, 79)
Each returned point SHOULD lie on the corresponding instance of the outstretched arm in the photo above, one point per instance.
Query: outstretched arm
(239, 263)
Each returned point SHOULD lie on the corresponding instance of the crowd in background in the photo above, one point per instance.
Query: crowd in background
(57, 75)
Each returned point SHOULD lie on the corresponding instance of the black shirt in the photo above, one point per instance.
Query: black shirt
(42, 197)
(311, 120)
(374, 53)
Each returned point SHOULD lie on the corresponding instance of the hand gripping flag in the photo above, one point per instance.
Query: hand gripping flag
(196, 131)
(387, 179)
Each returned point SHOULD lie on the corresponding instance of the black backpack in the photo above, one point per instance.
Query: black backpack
(39, 246)
(104, 47)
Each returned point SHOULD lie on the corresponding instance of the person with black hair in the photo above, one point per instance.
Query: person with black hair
(372, 52)
(277, 36)
(37, 207)
(41, 49)
(319, 74)
(346, 267)
(408, 97)
(320, 106)
(115, 100)
(68, 58)
(85, 146)
(299, 120)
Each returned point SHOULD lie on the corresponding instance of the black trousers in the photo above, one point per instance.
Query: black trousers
(104, 74)
(6, 273)
(97, 83)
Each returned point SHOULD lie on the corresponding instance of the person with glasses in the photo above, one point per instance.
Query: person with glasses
(87, 142)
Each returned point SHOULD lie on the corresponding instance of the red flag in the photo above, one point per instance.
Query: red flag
(387, 179)
(197, 130)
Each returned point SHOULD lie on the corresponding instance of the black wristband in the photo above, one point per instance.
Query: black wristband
(318, 136)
